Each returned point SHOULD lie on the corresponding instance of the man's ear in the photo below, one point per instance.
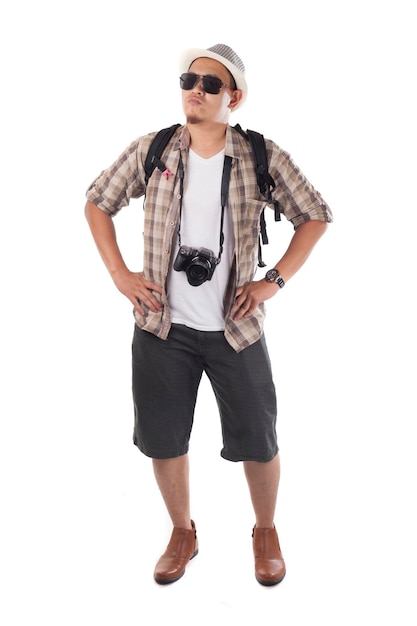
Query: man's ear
(235, 99)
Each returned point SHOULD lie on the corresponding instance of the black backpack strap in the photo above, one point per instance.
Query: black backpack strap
(156, 149)
(265, 181)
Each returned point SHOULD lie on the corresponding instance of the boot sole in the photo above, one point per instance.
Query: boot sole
(269, 583)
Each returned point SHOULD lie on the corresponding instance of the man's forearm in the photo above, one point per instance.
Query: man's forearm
(104, 234)
(301, 245)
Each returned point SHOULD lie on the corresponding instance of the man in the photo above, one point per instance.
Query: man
(196, 304)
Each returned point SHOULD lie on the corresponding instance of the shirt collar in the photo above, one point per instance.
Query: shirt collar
(232, 147)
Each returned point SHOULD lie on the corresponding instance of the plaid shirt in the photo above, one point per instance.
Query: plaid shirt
(299, 202)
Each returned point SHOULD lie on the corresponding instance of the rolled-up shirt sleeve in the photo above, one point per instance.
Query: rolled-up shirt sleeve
(116, 185)
(299, 201)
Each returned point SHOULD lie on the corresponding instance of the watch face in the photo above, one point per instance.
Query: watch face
(271, 275)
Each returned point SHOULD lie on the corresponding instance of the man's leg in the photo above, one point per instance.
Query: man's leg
(165, 378)
(172, 476)
(263, 481)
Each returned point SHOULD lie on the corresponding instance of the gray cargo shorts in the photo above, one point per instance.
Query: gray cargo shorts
(165, 378)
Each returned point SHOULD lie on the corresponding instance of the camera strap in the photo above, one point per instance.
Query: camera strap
(227, 166)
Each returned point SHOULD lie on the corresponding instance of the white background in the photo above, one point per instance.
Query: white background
(82, 522)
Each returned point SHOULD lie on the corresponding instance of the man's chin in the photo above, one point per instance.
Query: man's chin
(193, 119)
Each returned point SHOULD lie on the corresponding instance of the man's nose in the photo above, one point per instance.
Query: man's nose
(199, 84)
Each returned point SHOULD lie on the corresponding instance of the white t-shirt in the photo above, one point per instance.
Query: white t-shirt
(201, 307)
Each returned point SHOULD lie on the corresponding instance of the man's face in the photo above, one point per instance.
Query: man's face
(200, 106)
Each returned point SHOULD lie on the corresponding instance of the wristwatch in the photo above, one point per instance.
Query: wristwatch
(273, 276)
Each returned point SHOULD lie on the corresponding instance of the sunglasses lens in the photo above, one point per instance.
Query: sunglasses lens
(188, 80)
(210, 84)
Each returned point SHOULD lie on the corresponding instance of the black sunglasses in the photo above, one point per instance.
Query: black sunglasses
(209, 84)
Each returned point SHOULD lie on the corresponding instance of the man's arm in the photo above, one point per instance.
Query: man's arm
(131, 284)
(302, 243)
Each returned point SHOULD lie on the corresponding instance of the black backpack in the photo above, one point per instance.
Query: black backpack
(265, 181)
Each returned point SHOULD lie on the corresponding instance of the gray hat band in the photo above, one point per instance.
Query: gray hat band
(228, 54)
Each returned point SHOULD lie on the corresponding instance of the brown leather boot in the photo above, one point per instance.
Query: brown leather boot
(182, 547)
(269, 564)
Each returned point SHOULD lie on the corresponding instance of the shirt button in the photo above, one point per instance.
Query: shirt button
(167, 251)
(172, 223)
(179, 196)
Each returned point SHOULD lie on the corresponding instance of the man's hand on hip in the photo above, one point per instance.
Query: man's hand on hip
(138, 290)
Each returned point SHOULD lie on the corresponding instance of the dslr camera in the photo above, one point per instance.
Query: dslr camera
(198, 263)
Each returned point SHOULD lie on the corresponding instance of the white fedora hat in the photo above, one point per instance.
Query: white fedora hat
(224, 55)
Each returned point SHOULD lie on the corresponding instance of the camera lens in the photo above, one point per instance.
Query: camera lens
(198, 271)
